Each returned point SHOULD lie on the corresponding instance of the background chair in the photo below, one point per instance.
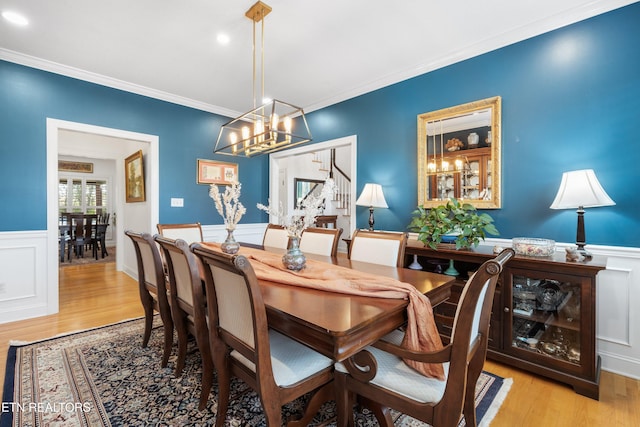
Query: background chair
(188, 307)
(153, 289)
(280, 369)
(99, 240)
(188, 232)
(378, 247)
(81, 233)
(378, 374)
(321, 241)
(275, 236)
(64, 237)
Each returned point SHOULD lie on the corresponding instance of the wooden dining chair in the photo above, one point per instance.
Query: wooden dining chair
(190, 233)
(279, 368)
(320, 241)
(80, 235)
(275, 236)
(153, 289)
(378, 373)
(188, 307)
(378, 247)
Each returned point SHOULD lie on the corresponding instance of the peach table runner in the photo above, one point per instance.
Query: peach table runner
(421, 333)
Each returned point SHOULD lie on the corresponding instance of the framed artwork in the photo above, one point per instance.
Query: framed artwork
(67, 166)
(220, 173)
(134, 176)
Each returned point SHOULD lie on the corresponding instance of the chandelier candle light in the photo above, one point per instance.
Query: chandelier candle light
(231, 210)
(266, 128)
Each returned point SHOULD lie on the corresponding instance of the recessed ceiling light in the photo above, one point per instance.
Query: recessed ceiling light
(223, 39)
(15, 18)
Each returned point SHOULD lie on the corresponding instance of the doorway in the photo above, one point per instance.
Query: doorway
(281, 180)
(79, 139)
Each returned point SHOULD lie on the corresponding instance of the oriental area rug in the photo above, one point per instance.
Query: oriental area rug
(103, 377)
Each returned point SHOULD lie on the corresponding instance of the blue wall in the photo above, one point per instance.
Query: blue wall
(570, 100)
(28, 97)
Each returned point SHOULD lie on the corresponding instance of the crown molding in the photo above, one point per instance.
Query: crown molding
(76, 73)
(508, 37)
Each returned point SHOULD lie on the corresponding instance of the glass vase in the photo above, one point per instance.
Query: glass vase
(230, 246)
(294, 259)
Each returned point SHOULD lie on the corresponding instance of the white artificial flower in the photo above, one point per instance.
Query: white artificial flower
(228, 204)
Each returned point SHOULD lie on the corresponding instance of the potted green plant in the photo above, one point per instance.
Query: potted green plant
(454, 219)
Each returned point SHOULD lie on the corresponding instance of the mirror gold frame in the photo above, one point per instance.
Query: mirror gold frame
(470, 158)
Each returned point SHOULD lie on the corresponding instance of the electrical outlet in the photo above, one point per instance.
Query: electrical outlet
(177, 202)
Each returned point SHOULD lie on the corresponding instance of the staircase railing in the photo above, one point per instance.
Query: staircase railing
(343, 184)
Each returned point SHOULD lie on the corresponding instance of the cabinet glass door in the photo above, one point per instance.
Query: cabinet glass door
(443, 186)
(470, 178)
(546, 317)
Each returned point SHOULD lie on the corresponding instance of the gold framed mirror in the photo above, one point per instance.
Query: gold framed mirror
(459, 154)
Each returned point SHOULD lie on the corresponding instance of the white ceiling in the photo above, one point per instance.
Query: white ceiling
(317, 52)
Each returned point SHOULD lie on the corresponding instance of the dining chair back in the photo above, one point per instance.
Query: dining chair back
(99, 239)
(378, 374)
(320, 241)
(188, 232)
(81, 233)
(378, 247)
(64, 237)
(279, 368)
(153, 289)
(275, 236)
(188, 307)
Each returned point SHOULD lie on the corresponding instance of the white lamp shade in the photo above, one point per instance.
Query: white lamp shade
(372, 196)
(580, 188)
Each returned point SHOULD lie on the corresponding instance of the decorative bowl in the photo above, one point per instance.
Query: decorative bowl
(533, 246)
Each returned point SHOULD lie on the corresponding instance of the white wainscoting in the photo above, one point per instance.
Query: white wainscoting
(618, 302)
(26, 290)
(249, 233)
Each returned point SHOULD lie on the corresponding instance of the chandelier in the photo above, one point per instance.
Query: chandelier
(269, 127)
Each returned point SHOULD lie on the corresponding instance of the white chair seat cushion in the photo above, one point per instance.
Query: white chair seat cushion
(393, 374)
(290, 360)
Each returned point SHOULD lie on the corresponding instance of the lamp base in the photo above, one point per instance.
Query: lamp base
(371, 221)
(585, 253)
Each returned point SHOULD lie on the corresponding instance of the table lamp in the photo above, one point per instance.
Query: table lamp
(581, 189)
(372, 197)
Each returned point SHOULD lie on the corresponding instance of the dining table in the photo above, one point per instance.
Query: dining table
(339, 325)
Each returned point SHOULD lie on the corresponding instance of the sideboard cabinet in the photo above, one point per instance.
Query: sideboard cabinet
(544, 311)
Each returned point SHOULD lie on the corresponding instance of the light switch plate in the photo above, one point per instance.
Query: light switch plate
(177, 202)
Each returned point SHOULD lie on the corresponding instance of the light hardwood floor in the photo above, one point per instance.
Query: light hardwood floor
(95, 295)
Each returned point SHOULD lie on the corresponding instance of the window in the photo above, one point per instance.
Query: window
(83, 195)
